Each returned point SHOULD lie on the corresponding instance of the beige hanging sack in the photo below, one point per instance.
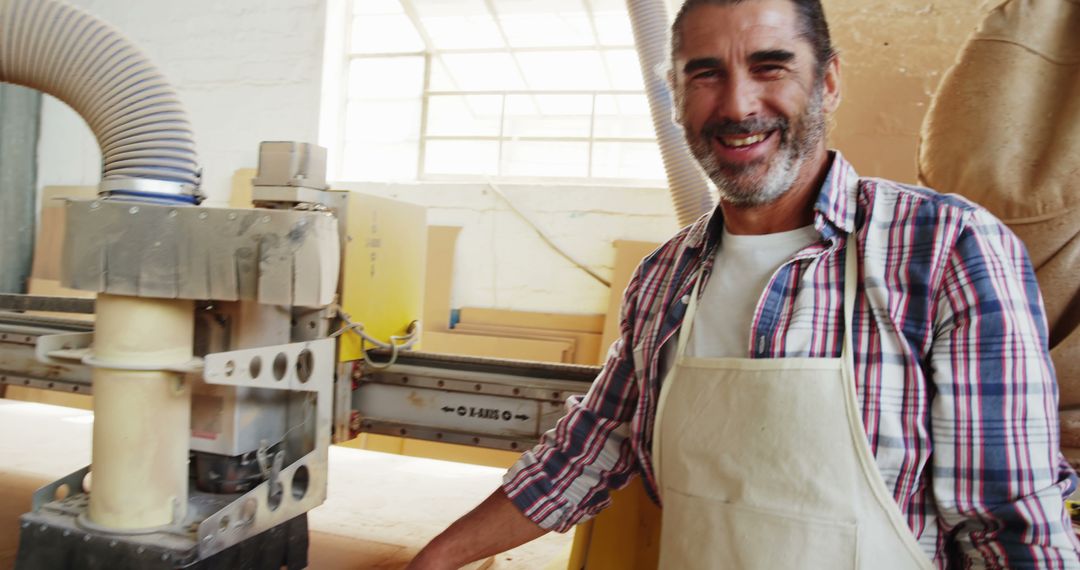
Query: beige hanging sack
(1004, 131)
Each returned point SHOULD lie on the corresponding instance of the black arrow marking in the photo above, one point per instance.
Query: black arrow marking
(521, 417)
(448, 409)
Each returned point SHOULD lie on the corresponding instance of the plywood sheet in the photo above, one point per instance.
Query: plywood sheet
(554, 321)
(628, 254)
(586, 345)
(498, 347)
(442, 241)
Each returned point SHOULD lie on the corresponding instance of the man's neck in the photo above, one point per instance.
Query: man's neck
(792, 210)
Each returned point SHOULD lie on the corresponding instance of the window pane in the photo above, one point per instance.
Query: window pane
(524, 158)
(385, 33)
(390, 77)
(464, 115)
(572, 70)
(548, 115)
(475, 72)
(627, 160)
(461, 157)
(458, 24)
(625, 69)
(375, 7)
(623, 116)
(383, 121)
(613, 27)
(546, 30)
(379, 161)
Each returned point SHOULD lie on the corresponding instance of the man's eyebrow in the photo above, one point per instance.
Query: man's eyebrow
(772, 56)
(701, 63)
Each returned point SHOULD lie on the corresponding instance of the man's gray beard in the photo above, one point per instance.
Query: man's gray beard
(744, 190)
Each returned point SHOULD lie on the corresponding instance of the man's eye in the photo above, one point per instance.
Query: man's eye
(769, 69)
(708, 74)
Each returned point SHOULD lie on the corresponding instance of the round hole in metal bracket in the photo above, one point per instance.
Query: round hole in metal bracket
(28, 339)
(281, 365)
(478, 387)
(51, 385)
(476, 441)
(74, 388)
(311, 325)
(440, 383)
(517, 391)
(305, 364)
(403, 431)
(224, 524)
(513, 445)
(255, 367)
(247, 512)
(26, 382)
(230, 367)
(555, 395)
(300, 480)
(404, 379)
(273, 498)
(61, 492)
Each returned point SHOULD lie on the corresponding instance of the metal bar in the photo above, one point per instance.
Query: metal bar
(15, 302)
(502, 366)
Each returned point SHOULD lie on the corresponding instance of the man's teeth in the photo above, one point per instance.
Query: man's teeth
(742, 141)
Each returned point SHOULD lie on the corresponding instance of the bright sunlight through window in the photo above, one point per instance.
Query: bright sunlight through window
(460, 89)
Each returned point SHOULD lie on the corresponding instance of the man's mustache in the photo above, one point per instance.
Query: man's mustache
(754, 125)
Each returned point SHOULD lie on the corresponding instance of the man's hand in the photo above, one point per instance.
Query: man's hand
(495, 526)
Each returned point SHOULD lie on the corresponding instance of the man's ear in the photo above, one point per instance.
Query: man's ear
(831, 85)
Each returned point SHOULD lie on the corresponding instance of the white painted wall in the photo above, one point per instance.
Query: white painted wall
(246, 70)
(501, 262)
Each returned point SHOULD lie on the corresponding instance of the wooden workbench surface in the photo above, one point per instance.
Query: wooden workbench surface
(380, 509)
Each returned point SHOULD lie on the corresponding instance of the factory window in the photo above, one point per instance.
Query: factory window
(445, 89)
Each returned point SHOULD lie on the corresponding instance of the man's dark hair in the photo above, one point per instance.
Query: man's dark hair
(814, 28)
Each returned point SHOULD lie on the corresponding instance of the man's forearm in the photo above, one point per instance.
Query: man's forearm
(496, 525)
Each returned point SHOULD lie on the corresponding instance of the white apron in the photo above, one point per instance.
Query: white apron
(764, 464)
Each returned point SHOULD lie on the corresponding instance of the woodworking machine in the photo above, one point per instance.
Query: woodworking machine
(271, 333)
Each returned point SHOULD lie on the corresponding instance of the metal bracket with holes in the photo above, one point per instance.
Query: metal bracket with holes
(292, 489)
(47, 494)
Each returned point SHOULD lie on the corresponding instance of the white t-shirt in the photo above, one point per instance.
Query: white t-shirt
(741, 270)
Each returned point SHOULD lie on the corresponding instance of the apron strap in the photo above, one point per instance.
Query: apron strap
(851, 282)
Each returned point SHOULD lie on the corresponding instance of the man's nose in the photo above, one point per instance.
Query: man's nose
(739, 100)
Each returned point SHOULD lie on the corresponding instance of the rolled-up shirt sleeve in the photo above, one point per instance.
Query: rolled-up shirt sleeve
(998, 476)
(567, 477)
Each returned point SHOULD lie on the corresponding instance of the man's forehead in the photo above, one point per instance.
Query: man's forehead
(750, 26)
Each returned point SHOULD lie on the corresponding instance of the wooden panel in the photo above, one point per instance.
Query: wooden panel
(628, 254)
(497, 347)
(442, 241)
(586, 345)
(554, 321)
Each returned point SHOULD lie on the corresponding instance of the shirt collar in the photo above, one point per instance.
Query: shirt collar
(834, 210)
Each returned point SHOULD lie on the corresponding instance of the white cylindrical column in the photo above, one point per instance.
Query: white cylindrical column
(141, 417)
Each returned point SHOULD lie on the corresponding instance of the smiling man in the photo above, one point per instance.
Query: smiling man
(826, 372)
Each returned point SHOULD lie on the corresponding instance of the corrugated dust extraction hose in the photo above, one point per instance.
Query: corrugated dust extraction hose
(146, 140)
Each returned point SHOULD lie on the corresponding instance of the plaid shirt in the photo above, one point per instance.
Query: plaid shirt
(953, 375)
